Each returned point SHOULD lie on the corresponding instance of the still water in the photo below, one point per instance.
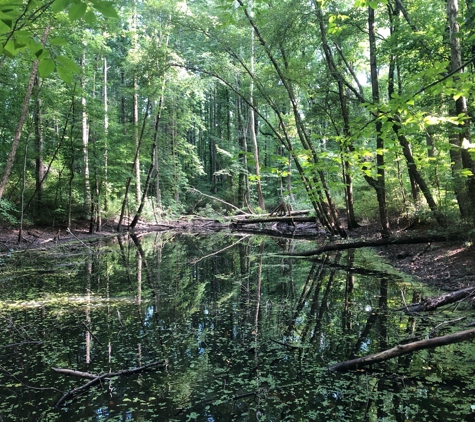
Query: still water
(247, 334)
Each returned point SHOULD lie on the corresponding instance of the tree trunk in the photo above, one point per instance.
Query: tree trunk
(106, 134)
(21, 121)
(138, 188)
(380, 183)
(135, 111)
(85, 136)
(252, 127)
(243, 182)
(461, 160)
(39, 165)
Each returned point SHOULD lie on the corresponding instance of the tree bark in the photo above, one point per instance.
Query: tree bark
(252, 127)
(85, 136)
(380, 183)
(461, 159)
(39, 165)
(21, 121)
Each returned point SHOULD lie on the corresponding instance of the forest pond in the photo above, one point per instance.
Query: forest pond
(239, 332)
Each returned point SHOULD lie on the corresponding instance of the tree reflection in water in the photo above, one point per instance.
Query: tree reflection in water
(248, 334)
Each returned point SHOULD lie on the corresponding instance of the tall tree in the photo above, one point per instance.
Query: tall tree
(460, 136)
(21, 121)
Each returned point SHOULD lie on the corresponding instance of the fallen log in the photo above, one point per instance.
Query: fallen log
(277, 219)
(365, 244)
(432, 303)
(97, 378)
(403, 349)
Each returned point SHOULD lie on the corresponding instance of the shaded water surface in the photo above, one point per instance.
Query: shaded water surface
(248, 335)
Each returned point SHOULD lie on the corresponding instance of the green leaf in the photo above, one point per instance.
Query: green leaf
(106, 8)
(90, 17)
(7, 22)
(46, 67)
(59, 5)
(77, 11)
(68, 64)
(9, 49)
(58, 41)
(65, 74)
(33, 4)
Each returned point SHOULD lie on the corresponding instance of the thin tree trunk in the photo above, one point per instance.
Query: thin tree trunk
(252, 127)
(129, 179)
(243, 182)
(21, 121)
(346, 171)
(106, 134)
(138, 188)
(153, 163)
(380, 185)
(135, 111)
(39, 166)
(85, 136)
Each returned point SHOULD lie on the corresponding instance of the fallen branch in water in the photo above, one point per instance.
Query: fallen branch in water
(403, 349)
(432, 303)
(365, 244)
(237, 222)
(75, 373)
(99, 378)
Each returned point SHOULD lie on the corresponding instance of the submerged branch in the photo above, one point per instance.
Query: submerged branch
(432, 303)
(403, 350)
(99, 378)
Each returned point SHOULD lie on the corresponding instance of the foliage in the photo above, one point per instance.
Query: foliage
(8, 212)
(179, 78)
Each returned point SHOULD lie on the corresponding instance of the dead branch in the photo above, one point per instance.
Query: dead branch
(92, 334)
(432, 303)
(365, 244)
(217, 199)
(75, 373)
(99, 378)
(403, 349)
(23, 343)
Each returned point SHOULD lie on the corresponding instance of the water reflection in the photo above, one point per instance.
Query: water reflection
(248, 335)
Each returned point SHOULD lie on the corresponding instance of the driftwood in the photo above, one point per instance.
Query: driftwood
(403, 349)
(365, 244)
(432, 303)
(98, 378)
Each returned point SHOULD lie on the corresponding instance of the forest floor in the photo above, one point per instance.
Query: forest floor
(446, 266)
